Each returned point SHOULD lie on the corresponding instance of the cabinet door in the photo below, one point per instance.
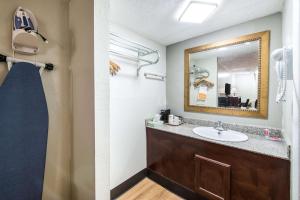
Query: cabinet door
(212, 178)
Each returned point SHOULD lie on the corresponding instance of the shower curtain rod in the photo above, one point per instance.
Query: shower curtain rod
(47, 66)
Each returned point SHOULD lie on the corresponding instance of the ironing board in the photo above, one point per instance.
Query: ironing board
(23, 134)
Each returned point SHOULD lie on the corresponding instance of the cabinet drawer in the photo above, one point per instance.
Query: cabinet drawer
(212, 178)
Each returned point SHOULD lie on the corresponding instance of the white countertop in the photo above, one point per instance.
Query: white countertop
(255, 143)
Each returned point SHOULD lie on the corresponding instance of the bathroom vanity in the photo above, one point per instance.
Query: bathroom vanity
(257, 169)
(217, 78)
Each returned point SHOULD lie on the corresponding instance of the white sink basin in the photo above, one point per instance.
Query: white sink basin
(226, 136)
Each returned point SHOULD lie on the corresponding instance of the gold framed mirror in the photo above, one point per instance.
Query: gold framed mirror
(230, 77)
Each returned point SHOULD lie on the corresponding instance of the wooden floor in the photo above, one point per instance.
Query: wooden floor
(148, 190)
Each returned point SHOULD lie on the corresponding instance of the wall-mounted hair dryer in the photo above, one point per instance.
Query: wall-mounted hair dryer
(284, 65)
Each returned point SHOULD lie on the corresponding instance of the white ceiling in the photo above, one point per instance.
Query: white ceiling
(157, 19)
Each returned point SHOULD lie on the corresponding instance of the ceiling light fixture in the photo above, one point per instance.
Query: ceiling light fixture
(222, 48)
(197, 11)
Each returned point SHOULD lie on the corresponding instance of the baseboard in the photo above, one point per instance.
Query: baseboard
(129, 183)
(174, 187)
(161, 180)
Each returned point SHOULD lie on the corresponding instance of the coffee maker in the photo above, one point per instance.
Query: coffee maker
(164, 115)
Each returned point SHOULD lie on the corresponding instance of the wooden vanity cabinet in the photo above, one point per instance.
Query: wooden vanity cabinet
(217, 172)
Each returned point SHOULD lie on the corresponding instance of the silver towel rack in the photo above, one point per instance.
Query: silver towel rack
(154, 76)
(141, 51)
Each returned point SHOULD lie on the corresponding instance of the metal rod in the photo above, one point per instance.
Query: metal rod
(148, 53)
(142, 52)
(47, 66)
(127, 46)
(154, 76)
(135, 43)
(155, 62)
(130, 57)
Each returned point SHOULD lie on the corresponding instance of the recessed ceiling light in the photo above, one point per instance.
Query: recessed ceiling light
(223, 48)
(197, 11)
(223, 75)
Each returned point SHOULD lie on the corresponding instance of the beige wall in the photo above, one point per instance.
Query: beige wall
(82, 67)
(53, 21)
(70, 93)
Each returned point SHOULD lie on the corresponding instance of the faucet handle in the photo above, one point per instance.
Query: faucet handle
(219, 126)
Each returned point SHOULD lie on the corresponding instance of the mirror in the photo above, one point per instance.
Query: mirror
(229, 77)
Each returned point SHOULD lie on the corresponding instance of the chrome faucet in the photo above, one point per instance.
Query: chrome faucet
(219, 126)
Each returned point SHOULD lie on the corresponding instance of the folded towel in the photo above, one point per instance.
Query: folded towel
(202, 94)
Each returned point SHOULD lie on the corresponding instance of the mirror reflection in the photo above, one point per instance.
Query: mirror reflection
(226, 76)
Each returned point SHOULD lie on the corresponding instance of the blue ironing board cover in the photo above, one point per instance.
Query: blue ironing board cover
(23, 134)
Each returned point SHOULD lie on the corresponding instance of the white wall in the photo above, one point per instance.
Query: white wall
(132, 100)
(290, 122)
(296, 103)
(175, 70)
(287, 40)
(101, 80)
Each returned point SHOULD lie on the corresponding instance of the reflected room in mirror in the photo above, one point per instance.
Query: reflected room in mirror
(228, 77)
